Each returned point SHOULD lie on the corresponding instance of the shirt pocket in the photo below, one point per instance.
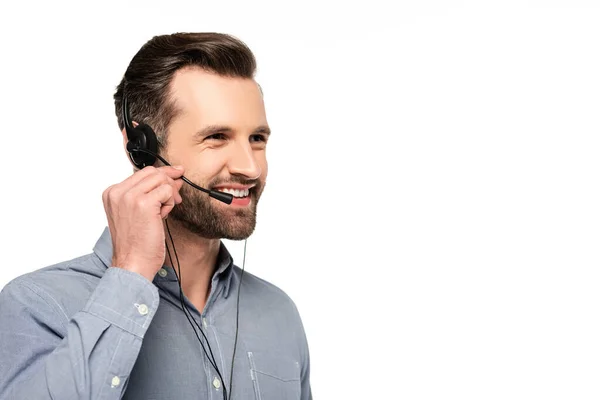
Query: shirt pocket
(273, 377)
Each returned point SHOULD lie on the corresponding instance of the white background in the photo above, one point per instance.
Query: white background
(432, 203)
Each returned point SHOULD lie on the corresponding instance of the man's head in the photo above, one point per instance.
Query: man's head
(197, 91)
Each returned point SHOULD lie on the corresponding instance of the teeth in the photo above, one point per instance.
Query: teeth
(236, 193)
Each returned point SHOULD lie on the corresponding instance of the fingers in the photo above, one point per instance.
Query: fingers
(163, 198)
(137, 177)
(143, 182)
(152, 182)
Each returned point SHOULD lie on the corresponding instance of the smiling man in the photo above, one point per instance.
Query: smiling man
(159, 310)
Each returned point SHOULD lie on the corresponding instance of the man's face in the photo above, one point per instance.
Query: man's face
(219, 137)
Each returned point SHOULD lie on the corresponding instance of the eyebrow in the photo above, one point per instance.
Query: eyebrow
(214, 129)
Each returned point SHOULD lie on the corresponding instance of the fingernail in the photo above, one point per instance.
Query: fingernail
(179, 167)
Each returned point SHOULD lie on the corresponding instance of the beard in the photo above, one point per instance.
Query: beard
(202, 215)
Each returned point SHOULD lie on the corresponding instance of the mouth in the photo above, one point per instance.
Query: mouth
(242, 195)
(236, 193)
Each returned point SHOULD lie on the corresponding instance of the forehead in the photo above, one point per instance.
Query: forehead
(206, 98)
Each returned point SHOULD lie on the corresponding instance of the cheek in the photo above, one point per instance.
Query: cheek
(205, 167)
(210, 169)
(264, 167)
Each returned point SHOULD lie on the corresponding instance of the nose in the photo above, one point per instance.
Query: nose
(243, 161)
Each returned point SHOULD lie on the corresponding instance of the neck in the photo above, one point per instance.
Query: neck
(197, 260)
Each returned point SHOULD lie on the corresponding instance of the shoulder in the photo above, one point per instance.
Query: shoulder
(60, 287)
(270, 307)
(264, 293)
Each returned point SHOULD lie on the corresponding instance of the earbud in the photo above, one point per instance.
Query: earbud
(142, 147)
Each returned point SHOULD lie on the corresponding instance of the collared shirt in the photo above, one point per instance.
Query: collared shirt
(83, 329)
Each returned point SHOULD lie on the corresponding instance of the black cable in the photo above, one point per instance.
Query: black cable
(213, 362)
(184, 307)
(179, 279)
(237, 318)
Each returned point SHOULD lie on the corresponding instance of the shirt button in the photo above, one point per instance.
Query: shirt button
(216, 383)
(143, 309)
(162, 272)
(115, 381)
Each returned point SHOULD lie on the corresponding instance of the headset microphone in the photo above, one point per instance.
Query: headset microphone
(226, 198)
(142, 147)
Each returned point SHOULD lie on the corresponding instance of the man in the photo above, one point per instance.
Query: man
(114, 324)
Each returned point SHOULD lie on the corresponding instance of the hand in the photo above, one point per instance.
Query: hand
(135, 209)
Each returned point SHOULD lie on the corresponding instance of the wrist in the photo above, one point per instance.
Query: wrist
(137, 267)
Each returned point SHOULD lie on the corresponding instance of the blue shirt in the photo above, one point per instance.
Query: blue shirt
(83, 329)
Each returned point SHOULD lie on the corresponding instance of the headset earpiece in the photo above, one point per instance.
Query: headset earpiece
(139, 137)
(143, 138)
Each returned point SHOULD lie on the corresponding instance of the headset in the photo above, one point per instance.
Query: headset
(142, 148)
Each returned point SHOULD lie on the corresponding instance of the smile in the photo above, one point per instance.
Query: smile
(235, 192)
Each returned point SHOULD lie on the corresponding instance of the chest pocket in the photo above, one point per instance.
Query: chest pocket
(274, 378)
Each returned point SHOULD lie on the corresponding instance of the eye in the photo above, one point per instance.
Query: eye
(216, 136)
(258, 138)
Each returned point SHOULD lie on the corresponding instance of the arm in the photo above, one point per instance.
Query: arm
(305, 372)
(46, 355)
(306, 390)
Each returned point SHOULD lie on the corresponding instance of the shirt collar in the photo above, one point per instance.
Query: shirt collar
(224, 272)
(225, 267)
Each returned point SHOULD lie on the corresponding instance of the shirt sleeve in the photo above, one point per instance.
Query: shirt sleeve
(306, 390)
(89, 359)
(305, 377)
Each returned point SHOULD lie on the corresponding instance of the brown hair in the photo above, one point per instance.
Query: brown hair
(147, 80)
